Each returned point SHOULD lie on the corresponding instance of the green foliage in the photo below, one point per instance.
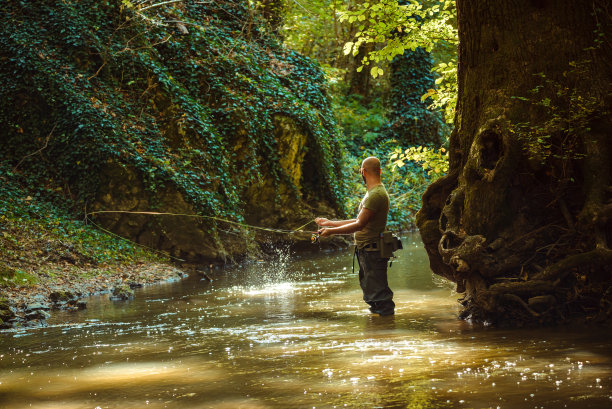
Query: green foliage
(313, 28)
(362, 125)
(410, 122)
(36, 229)
(95, 82)
(444, 95)
(400, 26)
(434, 162)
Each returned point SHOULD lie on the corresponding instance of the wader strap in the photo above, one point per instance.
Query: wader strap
(354, 254)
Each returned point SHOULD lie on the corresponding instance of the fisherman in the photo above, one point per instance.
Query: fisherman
(368, 227)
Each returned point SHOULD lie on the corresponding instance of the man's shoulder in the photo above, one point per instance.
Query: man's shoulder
(377, 198)
(379, 191)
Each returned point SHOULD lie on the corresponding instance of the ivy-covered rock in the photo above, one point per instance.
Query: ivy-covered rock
(410, 121)
(108, 107)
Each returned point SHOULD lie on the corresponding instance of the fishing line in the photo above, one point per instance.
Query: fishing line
(219, 219)
(314, 237)
(130, 241)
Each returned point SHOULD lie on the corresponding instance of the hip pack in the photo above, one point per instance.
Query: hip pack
(388, 243)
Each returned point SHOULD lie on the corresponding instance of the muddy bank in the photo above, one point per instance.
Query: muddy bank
(68, 290)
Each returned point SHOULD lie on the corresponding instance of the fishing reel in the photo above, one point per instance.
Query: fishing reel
(314, 239)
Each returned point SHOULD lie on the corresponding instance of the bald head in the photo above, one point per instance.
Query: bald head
(370, 171)
(371, 165)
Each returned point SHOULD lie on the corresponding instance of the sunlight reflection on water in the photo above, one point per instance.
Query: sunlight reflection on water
(295, 333)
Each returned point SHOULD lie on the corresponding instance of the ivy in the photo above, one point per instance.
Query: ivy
(96, 82)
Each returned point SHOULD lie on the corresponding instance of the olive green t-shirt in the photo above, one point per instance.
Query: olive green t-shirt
(377, 200)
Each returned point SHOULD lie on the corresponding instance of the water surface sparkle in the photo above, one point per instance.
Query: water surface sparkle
(296, 334)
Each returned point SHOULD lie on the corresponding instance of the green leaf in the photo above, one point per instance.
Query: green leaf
(348, 47)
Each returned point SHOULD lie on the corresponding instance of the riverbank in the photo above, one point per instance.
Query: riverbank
(50, 261)
(66, 287)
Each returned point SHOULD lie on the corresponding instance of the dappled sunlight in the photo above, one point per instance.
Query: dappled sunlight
(306, 340)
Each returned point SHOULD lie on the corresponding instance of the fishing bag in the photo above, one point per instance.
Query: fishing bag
(389, 243)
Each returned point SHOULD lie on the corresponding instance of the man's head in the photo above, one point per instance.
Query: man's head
(370, 169)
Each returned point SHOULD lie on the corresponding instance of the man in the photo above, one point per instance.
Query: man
(369, 224)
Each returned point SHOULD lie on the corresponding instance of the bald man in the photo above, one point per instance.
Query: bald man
(367, 227)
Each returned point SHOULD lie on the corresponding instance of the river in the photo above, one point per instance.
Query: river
(293, 332)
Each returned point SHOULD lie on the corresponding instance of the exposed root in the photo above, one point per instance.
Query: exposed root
(598, 257)
(519, 300)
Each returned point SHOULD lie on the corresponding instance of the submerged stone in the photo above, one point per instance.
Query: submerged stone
(37, 315)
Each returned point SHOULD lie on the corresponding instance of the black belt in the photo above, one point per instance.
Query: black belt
(371, 246)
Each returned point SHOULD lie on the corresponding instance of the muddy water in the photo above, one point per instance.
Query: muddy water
(294, 333)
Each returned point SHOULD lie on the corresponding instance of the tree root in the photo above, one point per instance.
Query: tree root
(519, 300)
(598, 257)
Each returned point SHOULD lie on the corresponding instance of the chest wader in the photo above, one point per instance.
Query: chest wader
(373, 279)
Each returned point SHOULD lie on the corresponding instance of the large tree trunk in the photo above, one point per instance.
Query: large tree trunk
(523, 221)
(359, 81)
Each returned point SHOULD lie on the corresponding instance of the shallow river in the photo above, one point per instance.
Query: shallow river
(294, 333)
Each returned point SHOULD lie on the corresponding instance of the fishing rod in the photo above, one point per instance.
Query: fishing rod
(314, 238)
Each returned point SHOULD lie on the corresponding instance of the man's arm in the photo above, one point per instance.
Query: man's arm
(321, 221)
(352, 226)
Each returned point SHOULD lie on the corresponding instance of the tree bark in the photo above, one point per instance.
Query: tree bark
(272, 13)
(359, 82)
(523, 222)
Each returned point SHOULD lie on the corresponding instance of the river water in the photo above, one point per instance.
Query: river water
(294, 333)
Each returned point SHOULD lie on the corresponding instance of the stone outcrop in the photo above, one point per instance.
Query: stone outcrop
(281, 204)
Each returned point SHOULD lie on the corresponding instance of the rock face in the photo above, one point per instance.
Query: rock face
(268, 202)
(7, 313)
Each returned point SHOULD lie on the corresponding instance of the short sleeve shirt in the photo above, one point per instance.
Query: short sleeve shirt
(377, 200)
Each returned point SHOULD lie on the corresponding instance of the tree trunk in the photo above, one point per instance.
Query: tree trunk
(272, 11)
(359, 81)
(523, 221)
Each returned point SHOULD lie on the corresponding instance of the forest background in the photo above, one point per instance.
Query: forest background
(240, 112)
(234, 114)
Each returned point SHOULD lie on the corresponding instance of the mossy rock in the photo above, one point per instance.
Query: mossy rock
(61, 296)
(122, 292)
(6, 313)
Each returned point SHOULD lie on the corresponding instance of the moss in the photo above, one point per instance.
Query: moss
(61, 296)
(11, 277)
(5, 311)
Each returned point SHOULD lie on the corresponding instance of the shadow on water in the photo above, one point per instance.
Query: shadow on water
(293, 332)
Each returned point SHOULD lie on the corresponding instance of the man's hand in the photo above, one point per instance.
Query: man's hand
(322, 221)
(324, 232)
